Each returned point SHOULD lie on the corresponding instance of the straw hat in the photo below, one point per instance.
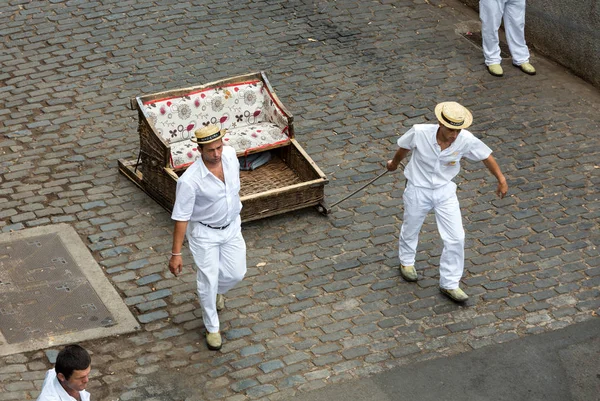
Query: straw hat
(207, 134)
(453, 115)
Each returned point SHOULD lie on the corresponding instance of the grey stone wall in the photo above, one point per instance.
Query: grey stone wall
(567, 31)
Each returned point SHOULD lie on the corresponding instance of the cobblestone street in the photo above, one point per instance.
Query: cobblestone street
(323, 301)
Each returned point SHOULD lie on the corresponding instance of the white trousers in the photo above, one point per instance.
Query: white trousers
(418, 202)
(220, 257)
(491, 13)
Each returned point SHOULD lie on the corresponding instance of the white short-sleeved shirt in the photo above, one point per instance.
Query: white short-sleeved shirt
(203, 197)
(431, 167)
(53, 391)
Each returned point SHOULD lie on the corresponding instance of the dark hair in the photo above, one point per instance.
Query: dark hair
(72, 357)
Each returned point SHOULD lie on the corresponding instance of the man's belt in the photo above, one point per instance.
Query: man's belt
(214, 228)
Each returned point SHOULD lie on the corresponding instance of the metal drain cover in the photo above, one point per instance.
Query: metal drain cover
(53, 292)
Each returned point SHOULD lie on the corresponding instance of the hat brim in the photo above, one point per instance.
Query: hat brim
(221, 134)
(466, 124)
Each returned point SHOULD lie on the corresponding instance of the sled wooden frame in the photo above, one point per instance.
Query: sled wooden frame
(290, 181)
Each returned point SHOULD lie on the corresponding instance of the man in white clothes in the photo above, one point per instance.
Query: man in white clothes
(436, 153)
(207, 211)
(69, 378)
(491, 13)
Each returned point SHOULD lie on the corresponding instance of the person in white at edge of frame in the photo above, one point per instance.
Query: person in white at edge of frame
(207, 210)
(69, 377)
(491, 13)
(436, 153)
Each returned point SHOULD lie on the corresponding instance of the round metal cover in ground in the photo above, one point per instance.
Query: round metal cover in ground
(52, 292)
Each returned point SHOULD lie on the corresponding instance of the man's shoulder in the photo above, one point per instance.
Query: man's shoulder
(467, 133)
(48, 392)
(191, 171)
(468, 137)
(230, 156)
(46, 396)
(229, 151)
(468, 141)
(425, 128)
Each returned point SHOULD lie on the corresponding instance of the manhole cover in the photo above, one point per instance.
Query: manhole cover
(53, 292)
(475, 38)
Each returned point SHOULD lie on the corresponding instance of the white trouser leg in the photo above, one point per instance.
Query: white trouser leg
(514, 27)
(233, 262)
(417, 203)
(220, 257)
(490, 13)
(449, 222)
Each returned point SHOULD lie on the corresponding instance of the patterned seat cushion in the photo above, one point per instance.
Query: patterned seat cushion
(243, 139)
(247, 110)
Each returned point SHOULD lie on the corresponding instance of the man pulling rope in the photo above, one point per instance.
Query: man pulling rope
(436, 153)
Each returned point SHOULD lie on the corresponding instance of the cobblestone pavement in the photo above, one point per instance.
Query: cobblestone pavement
(323, 301)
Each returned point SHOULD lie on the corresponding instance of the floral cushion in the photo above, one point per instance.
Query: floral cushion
(242, 138)
(247, 110)
(251, 137)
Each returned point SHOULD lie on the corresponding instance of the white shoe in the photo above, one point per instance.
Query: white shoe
(457, 295)
(408, 273)
(495, 70)
(213, 341)
(527, 68)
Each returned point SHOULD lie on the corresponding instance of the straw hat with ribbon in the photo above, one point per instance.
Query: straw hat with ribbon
(453, 115)
(207, 134)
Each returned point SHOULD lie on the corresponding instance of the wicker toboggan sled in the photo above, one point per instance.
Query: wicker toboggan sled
(255, 120)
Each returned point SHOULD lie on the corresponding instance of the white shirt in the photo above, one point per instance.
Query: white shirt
(203, 197)
(53, 391)
(430, 166)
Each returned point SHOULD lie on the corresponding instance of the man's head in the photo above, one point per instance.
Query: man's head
(210, 143)
(211, 152)
(448, 135)
(73, 367)
(453, 115)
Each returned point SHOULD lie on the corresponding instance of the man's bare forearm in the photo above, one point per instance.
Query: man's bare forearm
(178, 236)
(493, 167)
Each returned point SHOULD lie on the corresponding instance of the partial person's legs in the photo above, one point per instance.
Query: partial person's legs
(514, 27)
(449, 222)
(490, 13)
(233, 262)
(204, 246)
(206, 258)
(417, 203)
